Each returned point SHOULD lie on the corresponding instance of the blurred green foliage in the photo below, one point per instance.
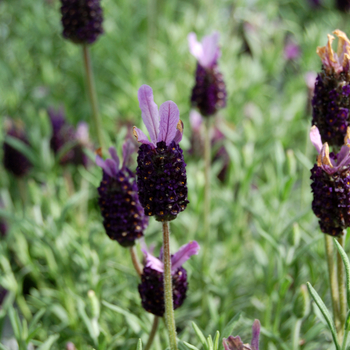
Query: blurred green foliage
(264, 242)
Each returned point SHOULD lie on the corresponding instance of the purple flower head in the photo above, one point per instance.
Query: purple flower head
(209, 92)
(161, 170)
(151, 288)
(331, 185)
(235, 343)
(331, 102)
(291, 51)
(123, 216)
(81, 20)
(15, 161)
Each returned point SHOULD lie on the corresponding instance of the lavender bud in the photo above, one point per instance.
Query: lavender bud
(81, 20)
(123, 216)
(15, 161)
(332, 89)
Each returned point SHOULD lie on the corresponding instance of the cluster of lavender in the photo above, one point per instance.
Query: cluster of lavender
(160, 191)
(67, 142)
(331, 174)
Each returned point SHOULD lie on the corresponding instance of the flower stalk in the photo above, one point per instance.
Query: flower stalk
(90, 82)
(342, 291)
(333, 281)
(153, 333)
(207, 166)
(135, 261)
(168, 287)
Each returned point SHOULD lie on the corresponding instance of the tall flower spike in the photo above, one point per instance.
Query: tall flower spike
(331, 101)
(209, 92)
(331, 185)
(123, 216)
(15, 161)
(81, 20)
(235, 343)
(161, 170)
(151, 288)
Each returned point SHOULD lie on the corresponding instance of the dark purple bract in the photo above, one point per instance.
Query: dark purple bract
(151, 290)
(161, 180)
(81, 20)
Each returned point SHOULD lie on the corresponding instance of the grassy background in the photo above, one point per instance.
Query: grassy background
(265, 241)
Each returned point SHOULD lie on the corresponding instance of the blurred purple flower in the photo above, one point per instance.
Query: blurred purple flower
(151, 288)
(3, 293)
(81, 20)
(343, 5)
(123, 216)
(64, 134)
(235, 343)
(330, 185)
(15, 161)
(161, 170)
(209, 92)
(291, 50)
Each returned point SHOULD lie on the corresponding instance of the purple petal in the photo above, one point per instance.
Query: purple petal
(82, 133)
(114, 156)
(315, 138)
(128, 150)
(112, 165)
(196, 120)
(102, 164)
(255, 335)
(196, 48)
(169, 117)
(233, 343)
(183, 254)
(153, 262)
(150, 115)
(141, 137)
(211, 50)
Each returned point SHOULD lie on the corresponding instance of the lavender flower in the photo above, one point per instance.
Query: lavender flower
(15, 161)
(331, 185)
(291, 50)
(123, 216)
(209, 92)
(161, 170)
(64, 134)
(332, 89)
(81, 20)
(235, 343)
(151, 288)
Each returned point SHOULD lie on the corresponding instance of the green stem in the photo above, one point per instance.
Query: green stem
(207, 160)
(345, 339)
(135, 261)
(333, 283)
(342, 290)
(168, 288)
(296, 334)
(90, 82)
(153, 333)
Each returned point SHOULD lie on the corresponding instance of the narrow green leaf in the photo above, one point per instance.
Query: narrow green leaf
(216, 340)
(210, 342)
(347, 268)
(325, 313)
(139, 345)
(189, 346)
(16, 326)
(49, 342)
(231, 325)
(200, 335)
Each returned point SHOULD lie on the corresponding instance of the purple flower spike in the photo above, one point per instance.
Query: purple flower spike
(151, 288)
(291, 51)
(161, 170)
(209, 92)
(331, 185)
(124, 219)
(81, 20)
(235, 343)
(331, 101)
(14, 161)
